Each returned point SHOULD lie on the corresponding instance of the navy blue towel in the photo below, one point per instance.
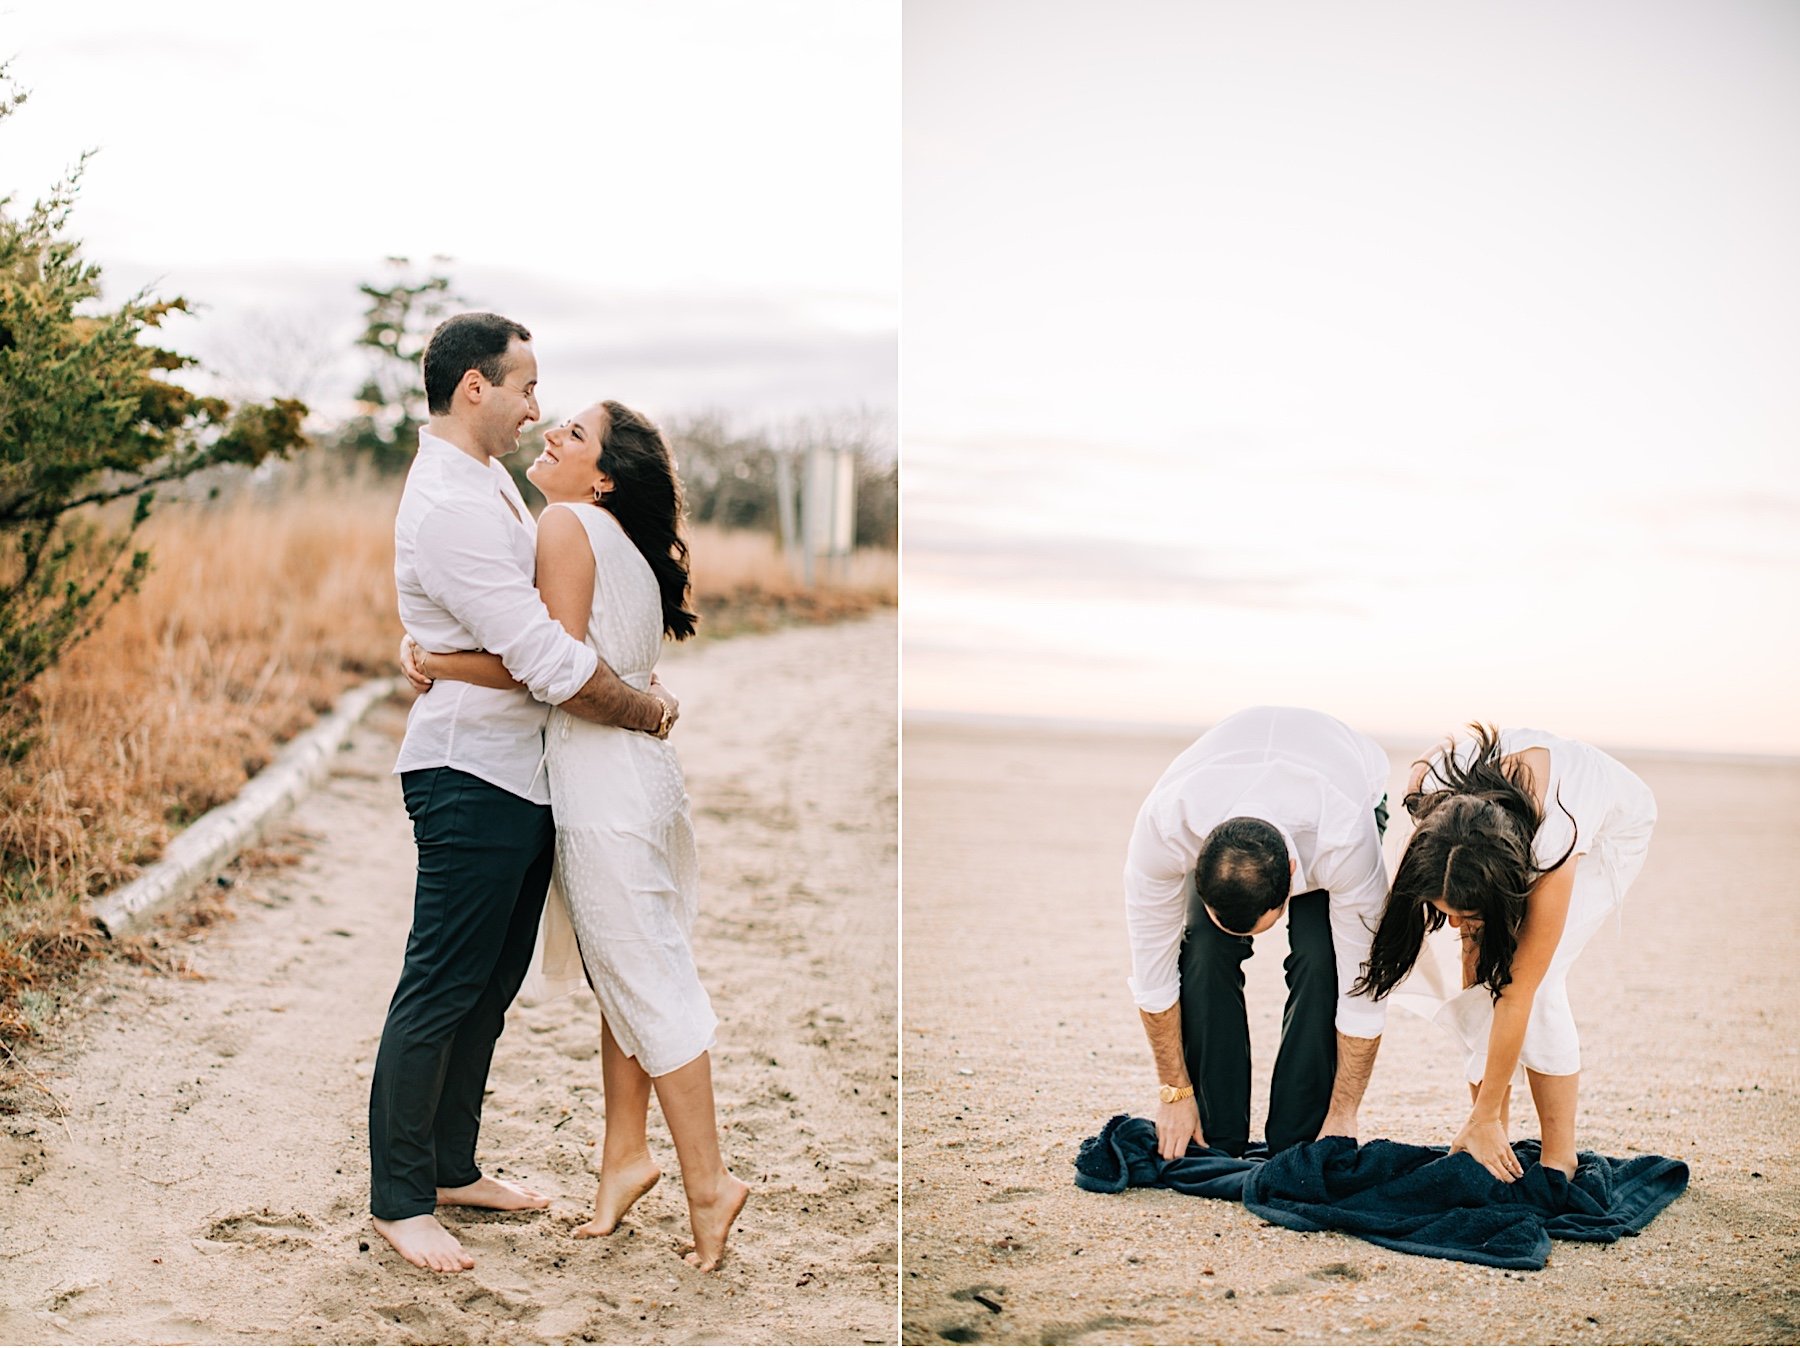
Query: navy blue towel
(1420, 1200)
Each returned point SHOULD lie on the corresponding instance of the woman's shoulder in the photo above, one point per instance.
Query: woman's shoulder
(1546, 754)
(563, 528)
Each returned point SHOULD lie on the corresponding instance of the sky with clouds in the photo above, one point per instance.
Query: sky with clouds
(1415, 362)
(693, 206)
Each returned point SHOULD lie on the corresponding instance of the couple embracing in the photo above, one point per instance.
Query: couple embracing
(1525, 842)
(538, 751)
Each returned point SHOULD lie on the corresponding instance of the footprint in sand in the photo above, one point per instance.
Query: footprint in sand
(1012, 1194)
(265, 1229)
(1288, 1287)
(486, 1301)
(1084, 1331)
(988, 1295)
(429, 1324)
(225, 1040)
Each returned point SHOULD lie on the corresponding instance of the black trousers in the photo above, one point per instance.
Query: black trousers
(484, 866)
(1215, 1027)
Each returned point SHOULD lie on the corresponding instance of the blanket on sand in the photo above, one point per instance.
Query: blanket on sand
(1419, 1200)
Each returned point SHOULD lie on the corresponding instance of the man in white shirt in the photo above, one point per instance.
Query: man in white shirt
(1274, 808)
(464, 557)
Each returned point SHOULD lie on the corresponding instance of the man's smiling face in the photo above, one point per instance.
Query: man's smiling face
(511, 405)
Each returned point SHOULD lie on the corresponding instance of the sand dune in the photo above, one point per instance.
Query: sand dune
(1020, 1037)
(209, 1183)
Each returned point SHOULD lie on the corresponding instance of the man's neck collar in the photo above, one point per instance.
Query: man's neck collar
(457, 437)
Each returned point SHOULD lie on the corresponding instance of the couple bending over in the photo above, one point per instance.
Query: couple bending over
(1524, 842)
(539, 750)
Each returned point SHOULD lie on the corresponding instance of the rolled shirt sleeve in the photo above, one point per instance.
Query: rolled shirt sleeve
(466, 564)
(1357, 900)
(1156, 867)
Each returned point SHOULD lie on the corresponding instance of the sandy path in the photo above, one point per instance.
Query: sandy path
(1019, 1038)
(210, 1183)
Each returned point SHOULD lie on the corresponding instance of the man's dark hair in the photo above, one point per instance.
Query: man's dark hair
(462, 343)
(1242, 872)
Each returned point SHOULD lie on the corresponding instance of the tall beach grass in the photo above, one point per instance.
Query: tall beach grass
(258, 612)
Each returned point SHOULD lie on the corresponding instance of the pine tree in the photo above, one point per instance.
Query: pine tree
(398, 319)
(88, 416)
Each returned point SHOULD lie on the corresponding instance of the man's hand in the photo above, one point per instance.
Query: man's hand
(1339, 1123)
(409, 665)
(1485, 1140)
(660, 691)
(1176, 1126)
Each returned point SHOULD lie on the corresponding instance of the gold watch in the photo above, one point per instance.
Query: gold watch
(1170, 1094)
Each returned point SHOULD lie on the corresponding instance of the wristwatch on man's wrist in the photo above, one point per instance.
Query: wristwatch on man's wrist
(668, 719)
(1171, 1094)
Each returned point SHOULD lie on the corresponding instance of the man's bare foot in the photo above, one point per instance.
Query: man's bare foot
(422, 1240)
(712, 1218)
(488, 1192)
(620, 1187)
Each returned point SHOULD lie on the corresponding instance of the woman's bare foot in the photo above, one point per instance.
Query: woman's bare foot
(488, 1192)
(423, 1241)
(620, 1187)
(712, 1217)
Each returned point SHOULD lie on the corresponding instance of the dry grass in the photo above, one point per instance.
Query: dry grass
(257, 614)
(742, 582)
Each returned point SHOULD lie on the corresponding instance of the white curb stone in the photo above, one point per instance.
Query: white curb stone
(204, 848)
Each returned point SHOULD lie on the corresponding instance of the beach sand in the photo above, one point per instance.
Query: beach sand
(209, 1182)
(1020, 1038)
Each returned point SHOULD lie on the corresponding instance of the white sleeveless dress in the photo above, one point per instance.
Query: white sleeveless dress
(1614, 814)
(626, 869)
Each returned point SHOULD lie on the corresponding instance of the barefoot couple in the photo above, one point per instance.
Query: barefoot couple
(1524, 841)
(498, 805)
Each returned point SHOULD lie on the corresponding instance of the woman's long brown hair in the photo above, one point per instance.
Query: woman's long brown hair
(1472, 850)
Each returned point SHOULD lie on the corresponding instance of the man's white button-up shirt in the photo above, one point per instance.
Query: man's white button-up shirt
(1314, 779)
(465, 552)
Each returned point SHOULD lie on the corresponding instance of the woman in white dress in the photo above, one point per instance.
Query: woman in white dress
(612, 568)
(1526, 842)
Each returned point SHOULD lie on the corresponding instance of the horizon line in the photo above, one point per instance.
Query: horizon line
(1087, 725)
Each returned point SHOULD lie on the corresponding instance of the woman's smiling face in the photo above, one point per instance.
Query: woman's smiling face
(568, 469)
(1456, 916)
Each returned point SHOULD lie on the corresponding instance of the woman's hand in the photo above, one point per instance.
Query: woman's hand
(412, 664)
(1485, 1140)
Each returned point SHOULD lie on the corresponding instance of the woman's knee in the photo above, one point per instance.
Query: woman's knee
(1552, 1045)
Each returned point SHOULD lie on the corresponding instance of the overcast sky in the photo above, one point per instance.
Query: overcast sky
(1417, 362)
(692, 204)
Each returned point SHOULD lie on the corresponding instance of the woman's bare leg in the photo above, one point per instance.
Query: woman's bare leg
(1555, 1101)
(714, 1195)
(1470, 954)
(626, 1171)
